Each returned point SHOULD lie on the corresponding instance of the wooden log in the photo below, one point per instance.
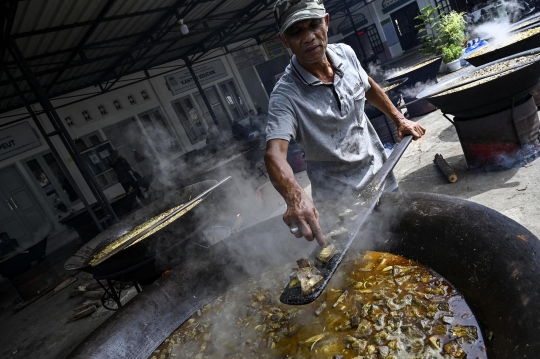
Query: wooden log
(445, 168)
(94, 294)
(83, 313)
(87, 304)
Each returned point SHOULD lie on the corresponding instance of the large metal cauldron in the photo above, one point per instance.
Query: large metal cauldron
(419, 73)
(529, 43)
(393, 94)
(155, 254)
(490, 258)
(488, 97)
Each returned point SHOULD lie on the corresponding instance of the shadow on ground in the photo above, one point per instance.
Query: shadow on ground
(449, 134)
(470, 182)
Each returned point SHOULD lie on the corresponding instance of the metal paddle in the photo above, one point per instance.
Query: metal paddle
(367, 200)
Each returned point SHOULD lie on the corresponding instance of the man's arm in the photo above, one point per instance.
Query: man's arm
(301, 211)
(378, 98)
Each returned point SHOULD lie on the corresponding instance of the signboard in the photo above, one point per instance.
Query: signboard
(17, 139)
(274, 48)
(247, 57)
(183, 81)
(389, 32)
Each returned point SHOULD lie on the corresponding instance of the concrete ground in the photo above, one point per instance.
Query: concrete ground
(513, 192)
(41, 329)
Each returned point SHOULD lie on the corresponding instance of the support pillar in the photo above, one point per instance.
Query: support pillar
(348, 11)
(61, 131)
(201, 91)
(55, 153)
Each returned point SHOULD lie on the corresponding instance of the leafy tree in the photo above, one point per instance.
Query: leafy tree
(441, 34)
(428, 30)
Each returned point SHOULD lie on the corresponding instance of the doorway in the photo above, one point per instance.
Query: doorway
(189, 118)
(217, 106)
(52, 180)
(21, 216)
(404, 23)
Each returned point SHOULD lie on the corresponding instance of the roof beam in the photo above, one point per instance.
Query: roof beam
(9, 11)
(208, 14)
(79, 50)
(244, 13)
(148, 37)
(91, 22)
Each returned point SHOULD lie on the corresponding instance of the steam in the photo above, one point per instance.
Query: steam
(376, 72)
(497, 27)
(496, 31)
(417, 88)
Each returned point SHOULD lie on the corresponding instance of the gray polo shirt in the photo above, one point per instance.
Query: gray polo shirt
(327, 120)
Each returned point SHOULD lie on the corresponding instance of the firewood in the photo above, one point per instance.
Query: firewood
(445, 168)
(88, 304)
(82, 313)
(94, 294)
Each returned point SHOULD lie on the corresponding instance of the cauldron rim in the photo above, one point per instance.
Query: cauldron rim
(79, 261)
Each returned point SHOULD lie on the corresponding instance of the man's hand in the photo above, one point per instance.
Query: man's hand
(378, 98)
(407, 127)
(302, 214)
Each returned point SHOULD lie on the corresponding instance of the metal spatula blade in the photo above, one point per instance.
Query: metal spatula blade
(367, 200)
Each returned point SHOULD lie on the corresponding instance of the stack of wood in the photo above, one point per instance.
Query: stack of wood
(93, 293)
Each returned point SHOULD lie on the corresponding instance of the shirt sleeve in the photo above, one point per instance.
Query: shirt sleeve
(282, 122)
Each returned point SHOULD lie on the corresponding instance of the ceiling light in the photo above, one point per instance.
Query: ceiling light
(183, 27)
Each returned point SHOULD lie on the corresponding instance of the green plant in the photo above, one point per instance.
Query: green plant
(430, 20)
(438, 31)
(452, 29)
(451, 53)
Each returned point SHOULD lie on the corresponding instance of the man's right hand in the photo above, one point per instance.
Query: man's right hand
(302, 214)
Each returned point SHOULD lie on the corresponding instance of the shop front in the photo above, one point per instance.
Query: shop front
(150, 123)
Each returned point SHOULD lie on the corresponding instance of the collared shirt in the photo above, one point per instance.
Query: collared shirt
(327, 120)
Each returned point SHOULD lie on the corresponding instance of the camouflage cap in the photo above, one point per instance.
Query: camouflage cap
(288, 12)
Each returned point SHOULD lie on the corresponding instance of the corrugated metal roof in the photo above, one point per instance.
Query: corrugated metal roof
(72, 44)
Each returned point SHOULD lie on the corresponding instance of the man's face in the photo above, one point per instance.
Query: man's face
(308, 39)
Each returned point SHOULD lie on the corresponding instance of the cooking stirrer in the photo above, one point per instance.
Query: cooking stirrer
(367, 200)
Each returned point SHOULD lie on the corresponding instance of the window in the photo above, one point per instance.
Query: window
(234, 100)
(444, 6)
(159, 131)
(97, 155)
(52, 181)
(190, 119)
(374, 39)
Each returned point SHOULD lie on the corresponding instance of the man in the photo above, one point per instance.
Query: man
(123, 172)
(319, 102)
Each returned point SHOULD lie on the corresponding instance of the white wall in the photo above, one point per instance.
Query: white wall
(159, 96)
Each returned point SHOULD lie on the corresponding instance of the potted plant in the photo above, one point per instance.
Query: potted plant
(442, 34)
(451, 55)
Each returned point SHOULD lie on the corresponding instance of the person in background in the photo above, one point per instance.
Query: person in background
(123, 172)
(215, 139)
(253, 123)
(240, 133)
(262, 119)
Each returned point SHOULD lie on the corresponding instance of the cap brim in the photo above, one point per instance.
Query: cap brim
(300, 16)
